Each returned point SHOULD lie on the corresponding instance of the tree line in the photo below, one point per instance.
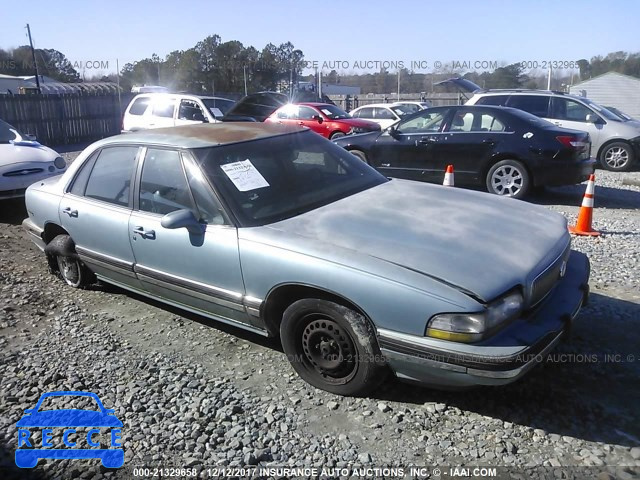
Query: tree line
(215, 66)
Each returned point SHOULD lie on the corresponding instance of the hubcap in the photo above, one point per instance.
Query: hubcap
(329, 350)
(507, 180)
(616, 157)
(69, 270)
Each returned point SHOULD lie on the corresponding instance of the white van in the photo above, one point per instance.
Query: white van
(158, 110)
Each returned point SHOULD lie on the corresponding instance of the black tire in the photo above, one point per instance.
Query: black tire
(508, 178)
(360, 154)
(335, 135)
(617, 157)
(69, 267)
(332, 347)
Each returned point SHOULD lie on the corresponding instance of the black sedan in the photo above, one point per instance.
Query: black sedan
(504, 149)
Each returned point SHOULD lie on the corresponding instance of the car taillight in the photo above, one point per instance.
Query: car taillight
(571, 141)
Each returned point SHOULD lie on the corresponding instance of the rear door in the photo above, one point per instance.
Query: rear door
(96, 209)
(162, 113)
(468, 143)
(199, 271)
(384, 117)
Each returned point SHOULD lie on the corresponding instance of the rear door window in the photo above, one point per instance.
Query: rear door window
(537, 105)
(164, 109)
(139, 106)
(382, 113)
(110, 178)
(364, 113)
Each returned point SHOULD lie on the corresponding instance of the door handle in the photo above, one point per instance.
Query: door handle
(300, 123)
(150, 234)
(488, 141)
(71, 213)
(426, 141)
(559, 124)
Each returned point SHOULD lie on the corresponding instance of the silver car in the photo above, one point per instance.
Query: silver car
(280, 232)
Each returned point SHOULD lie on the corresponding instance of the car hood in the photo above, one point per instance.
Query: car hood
(26, 152)
(69, 418)
(480, 243)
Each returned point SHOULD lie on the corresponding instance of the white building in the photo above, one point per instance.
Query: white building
(612, 89)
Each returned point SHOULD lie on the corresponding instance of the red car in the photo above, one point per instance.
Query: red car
(323, 118)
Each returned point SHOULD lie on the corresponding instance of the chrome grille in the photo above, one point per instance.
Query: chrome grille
(544, 282)
(24, 171)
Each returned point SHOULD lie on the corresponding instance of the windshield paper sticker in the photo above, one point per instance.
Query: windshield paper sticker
(244, 175)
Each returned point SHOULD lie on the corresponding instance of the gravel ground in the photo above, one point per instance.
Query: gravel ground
(195, 394)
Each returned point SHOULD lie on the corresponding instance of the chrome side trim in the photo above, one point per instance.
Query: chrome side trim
(186, 283)
(90, 256)
(197, 311)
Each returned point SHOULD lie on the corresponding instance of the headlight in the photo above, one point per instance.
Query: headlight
(358, 130)
(472, 327)
(59, 162)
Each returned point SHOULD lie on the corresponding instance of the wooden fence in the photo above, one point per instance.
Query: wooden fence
(65, 119)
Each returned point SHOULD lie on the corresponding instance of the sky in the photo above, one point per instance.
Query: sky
(354, 33)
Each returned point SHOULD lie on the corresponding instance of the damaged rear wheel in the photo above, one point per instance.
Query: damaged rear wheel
(62, 254)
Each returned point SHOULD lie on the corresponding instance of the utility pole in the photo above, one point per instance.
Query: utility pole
(244, 70)
(33, 55)
(398, 84)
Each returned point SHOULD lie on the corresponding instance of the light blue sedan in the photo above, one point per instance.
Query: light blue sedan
(278, 231)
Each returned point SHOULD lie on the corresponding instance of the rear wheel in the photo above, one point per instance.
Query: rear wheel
(508, 178)
(332, 347)
(360, 154)
(70, 268)
(617, 157)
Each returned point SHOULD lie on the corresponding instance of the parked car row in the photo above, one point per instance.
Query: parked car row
(281, 232)
(615, 139)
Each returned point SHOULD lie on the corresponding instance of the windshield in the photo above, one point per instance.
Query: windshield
(332, 112)
(625, 117)
(602, 111)
(7, 132)
(268, 180)
(221, 104)
(401, 109)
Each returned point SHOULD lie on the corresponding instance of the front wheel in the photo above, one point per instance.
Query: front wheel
(508, 178)
(617, 157)
(332, 347)
(335, 135)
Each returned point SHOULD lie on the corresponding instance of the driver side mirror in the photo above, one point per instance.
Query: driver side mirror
(393, 131)
(29, 136)
(592, 118)
(318, 118)
(182, 219)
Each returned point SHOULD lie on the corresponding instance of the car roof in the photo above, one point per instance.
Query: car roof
(387, 105)
(205, 135)
(314, 104)
(180, 95)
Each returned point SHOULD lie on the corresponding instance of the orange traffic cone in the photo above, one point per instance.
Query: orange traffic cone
(583, 225)
(448, 177)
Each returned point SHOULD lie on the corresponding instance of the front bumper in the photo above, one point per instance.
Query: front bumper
(558, 173)
(501, 359)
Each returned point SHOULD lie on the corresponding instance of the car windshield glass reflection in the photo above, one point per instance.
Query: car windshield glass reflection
(268, 180)
(334, 113)
(7, 132)
(223, 105)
